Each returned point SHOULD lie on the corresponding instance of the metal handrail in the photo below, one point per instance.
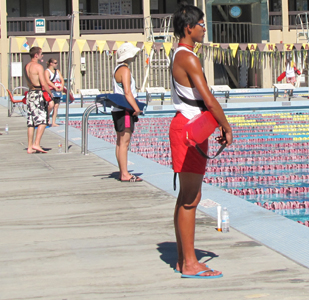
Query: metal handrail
(87, 112)
(11, 104)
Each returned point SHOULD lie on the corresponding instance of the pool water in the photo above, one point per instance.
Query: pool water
(267, 164)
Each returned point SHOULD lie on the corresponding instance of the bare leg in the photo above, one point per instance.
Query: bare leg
(123, 141)
(55, 112)
(30, 140)
(39, 133)
(188, 199)
(50, 107)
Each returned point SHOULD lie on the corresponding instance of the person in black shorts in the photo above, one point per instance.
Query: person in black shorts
(56, 83)
(124, 84)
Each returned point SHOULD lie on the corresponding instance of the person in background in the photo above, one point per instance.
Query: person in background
(189, 83)
(56, 83)
(36, 104)
(124, 84)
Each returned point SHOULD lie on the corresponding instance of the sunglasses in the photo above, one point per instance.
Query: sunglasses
(55, 62)
(201, 24)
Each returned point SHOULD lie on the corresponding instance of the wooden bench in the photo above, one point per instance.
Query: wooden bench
(221, 89)
(285, 87)
(87, 92)
(155, 90)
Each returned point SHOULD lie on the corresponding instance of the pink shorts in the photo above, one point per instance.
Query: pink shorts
(290, 79)
(184, 158)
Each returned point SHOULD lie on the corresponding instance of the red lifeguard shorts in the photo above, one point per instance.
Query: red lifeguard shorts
(184, 158)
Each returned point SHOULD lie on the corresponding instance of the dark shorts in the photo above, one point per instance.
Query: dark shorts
(123, 119)
(36, 109)
(56, 100)
(56, 96)
(184, 158)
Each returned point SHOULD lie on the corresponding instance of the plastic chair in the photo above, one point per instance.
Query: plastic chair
(16, 103)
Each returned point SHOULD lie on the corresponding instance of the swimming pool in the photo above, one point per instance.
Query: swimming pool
(267, 164)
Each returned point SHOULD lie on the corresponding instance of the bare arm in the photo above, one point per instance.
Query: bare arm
(47, 78)
(42, 79)
(61, 80)
(188, 66)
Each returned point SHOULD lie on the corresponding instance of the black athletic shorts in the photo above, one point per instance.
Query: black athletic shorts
(123, 119)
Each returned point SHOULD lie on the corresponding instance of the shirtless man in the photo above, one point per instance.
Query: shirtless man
(36, 104)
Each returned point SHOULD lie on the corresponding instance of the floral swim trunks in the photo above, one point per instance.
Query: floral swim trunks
(37, 109)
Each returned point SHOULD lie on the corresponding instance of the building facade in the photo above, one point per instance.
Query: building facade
(246, 44)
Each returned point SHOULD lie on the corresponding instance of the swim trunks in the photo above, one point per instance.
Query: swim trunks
(36, 109)
(185, 159)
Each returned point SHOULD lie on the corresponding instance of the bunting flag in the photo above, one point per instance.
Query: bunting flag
(270, 47)
(234, 48)
(81, 44)
(101, 45)
(110, 45)
(279, 47)
(243, 47)
(134, 43)
(30, 41)
(167, 47)
(158, 46)
(50, 43)
(306, 46)
(148, 46)
(140, 45)
(91, 43)
(20, 41)
(288, 47)
(40, 41)
(252, 47)
(175, 45)
(61, 43)
(260, 46)
(118, 44)
(297, 46)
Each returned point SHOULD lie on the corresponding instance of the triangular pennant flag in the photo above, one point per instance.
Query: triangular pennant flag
(279, 47)
(40, 41)
(234, 48)
(261, 46)
(306, 46)
(139, 45)
(167, 47)
(288, 47)
(20, 41)
(110, 45)
(30, 41)
(297, 47)
(158, 46)
(119, 44)
(270, 47)
(81, 44)
(101, 45)
(50, 43)
(224, 46)
(215, 45)
(61, 43)
(175, 45)
(91, 44)
(148, 46)
(133, 43)
(252, 47)
(243, 47)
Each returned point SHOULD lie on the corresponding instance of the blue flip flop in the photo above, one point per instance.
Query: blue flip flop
(198, 275)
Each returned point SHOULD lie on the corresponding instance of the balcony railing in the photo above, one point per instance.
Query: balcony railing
(231, 32)
(25, 26)
(275, 20)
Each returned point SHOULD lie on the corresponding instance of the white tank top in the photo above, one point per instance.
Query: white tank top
(118, 88)
(187, 92)
(51, 75)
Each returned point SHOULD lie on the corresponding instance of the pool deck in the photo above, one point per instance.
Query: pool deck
(70, 230)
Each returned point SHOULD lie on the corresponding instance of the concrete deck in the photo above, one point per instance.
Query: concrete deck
(70, 230)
